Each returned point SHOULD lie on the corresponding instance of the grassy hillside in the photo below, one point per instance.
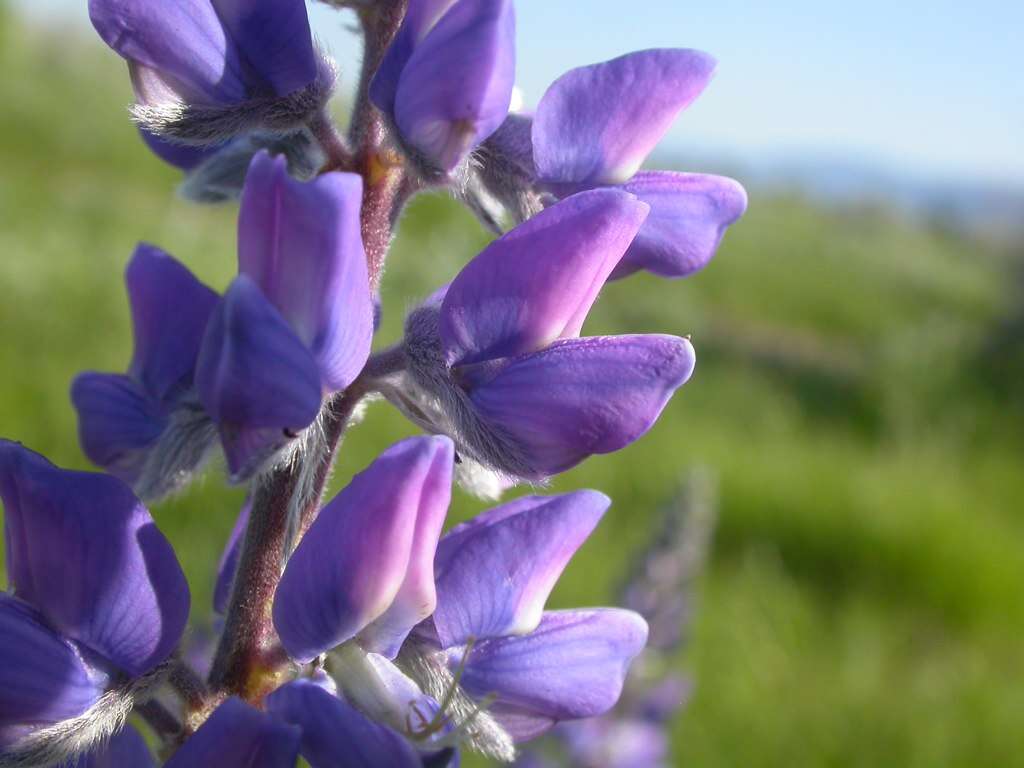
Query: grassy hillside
(858, 394)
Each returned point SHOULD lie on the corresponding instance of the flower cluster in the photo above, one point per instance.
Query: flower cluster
(354, 632)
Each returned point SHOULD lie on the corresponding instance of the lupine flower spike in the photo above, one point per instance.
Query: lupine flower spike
(352, 633)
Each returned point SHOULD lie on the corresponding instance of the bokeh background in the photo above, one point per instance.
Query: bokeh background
(859, 394)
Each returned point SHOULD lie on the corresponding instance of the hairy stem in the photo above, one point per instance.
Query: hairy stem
(239, 666)
(380, 22)
(339, 156)
(337, 413)
(382, 168)
(384, 363)
(249, 661)
(164, 723)
(188, 685)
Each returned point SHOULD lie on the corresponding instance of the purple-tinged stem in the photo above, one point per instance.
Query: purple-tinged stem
(381, 166)
(163, 722)
(380, 22)
(240, 665)
(336, 416)
(384, 363)
(249, 661)
(188, 685)
(339, 156)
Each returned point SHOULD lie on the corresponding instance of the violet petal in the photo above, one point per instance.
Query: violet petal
(584, 396)
(597, 124)
(301, 243)
(183, 40)
(334, 735)
(572, 666)
(537, 283)
(42, 678)
(179, 155)
(253, 371)
(213, 52)
(689, 215)
(117, 422)
(170, 311)
(237, 735)
(420, 17)
(352, 563)
(495, 572)
(86, 553)
(416, 598)
(456, 88)
(274, 42)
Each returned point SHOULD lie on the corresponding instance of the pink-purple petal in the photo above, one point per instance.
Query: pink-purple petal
(86, 553)
(253, 371)
(42, 678)
(494, 573)
(597, 124)
(354, 560)
(537, 283)
(420, 17)
(334, 734)
(584, 396)
(301, 243)
(456, 87)
(689, 215)
(572, 666)
(170, 310)
(417, 596)
(237, 735)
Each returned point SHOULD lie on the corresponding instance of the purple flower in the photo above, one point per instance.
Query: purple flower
(446, 81)
(365, 567)
(237, 735)
(146, 426)
(98, 595)
(295, 324)
(361, 578)
(534, 667)
(205, 70)
(595, 127)
(336, 735)
(502, 357)
(298, 320)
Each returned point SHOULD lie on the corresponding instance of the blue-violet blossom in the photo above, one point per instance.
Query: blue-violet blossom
(99, 602)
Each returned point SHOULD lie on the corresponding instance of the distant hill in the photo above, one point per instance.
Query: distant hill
(989, 210)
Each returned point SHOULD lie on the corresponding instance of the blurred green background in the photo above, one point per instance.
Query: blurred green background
(858, 394)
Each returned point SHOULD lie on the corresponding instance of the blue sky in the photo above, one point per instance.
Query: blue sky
(925, 87)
